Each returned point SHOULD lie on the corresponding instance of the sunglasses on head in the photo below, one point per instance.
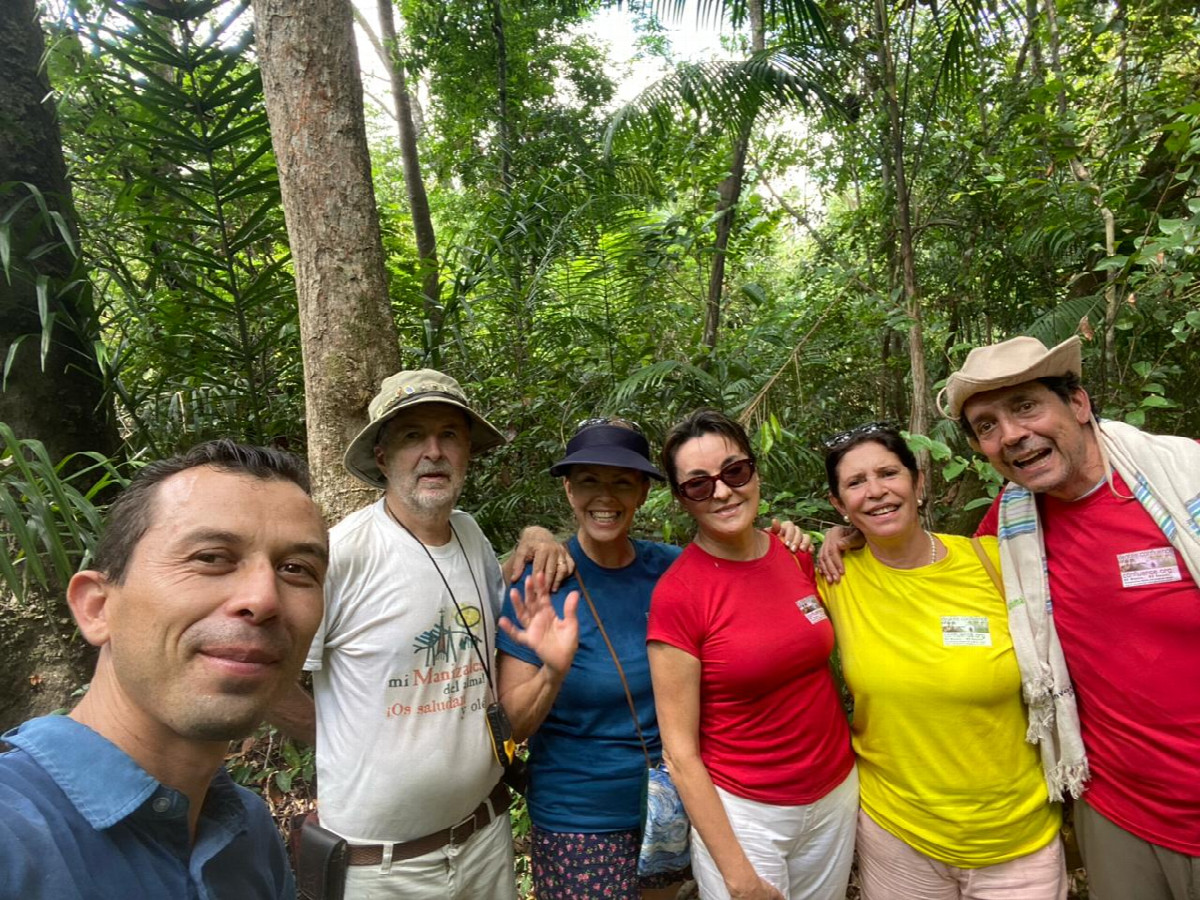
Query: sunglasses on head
(608, 420)
(834, 441)
(737, 474)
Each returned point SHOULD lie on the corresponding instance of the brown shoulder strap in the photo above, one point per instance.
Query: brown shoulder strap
(620, 671)
(987, 565)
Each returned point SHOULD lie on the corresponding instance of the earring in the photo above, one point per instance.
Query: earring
(846, 519)
(921, 503)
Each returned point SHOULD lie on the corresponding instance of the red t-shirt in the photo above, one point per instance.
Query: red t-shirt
(1127, 613)
(772, 728)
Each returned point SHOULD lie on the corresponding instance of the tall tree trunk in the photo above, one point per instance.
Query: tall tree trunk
(502, 112)
(728, 194)
(313, 93)
(414, 186)
(919, 415)
(1112, 306)
(53, 392)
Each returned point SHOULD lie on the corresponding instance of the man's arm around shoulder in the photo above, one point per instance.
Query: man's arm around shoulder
(295, 714)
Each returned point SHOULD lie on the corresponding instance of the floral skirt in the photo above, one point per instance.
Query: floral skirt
(589, 866)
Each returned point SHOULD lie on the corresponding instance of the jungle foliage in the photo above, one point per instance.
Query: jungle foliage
(977, 170)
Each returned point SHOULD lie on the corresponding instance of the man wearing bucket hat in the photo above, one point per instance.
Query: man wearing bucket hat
(1102, 520)
(409, 733)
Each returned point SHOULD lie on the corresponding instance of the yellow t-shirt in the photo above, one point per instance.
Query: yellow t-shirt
(939, 724)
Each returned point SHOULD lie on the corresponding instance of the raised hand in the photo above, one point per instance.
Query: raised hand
(539, 628)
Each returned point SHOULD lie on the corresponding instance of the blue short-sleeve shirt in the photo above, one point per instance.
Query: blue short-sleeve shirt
(81, 819)
(585, 761)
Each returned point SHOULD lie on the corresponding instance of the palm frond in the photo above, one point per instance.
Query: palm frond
(729, 95)
(796, 20)
(1063, 320)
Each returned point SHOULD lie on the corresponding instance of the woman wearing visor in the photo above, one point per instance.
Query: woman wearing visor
(752, 725)
(586, 759)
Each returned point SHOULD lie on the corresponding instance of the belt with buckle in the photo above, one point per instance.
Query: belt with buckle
(495, 805)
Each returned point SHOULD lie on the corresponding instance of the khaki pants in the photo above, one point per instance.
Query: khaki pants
(480, 869)
(1122, 866)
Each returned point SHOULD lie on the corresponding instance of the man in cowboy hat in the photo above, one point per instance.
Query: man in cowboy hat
(408, 730)
(1103, 520)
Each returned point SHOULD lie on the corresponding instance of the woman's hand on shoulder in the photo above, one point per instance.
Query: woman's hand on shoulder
(839, 540)
(793, 536)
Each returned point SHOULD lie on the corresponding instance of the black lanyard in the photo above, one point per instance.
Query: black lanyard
(487, 669)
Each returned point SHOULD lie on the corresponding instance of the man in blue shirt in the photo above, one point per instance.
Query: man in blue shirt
(206, 591)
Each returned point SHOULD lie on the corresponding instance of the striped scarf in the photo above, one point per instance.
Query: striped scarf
(1164, 474)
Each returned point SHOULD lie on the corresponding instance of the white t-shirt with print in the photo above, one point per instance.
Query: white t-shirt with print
(402, 741)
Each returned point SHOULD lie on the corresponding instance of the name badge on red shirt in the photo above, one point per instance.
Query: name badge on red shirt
(1157, 566)
(812, 609)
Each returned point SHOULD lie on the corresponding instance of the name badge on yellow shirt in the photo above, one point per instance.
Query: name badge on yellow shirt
(812, 609)
(1157, 566)
(966, 631)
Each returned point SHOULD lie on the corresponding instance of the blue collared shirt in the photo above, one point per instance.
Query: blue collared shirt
(80, 819)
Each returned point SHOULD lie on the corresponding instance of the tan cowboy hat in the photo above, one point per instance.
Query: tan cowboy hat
(402, 391)
(1010, 362)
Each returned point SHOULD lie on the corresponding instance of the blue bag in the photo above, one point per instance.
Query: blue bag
(665, 827)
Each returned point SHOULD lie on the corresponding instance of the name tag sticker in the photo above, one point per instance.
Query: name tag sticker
(966, 631)
(812, 609)
(1157, 566)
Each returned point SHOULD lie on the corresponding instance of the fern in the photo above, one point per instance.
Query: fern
(49, 521)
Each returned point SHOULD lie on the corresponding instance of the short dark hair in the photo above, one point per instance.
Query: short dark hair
(698, 424)
(1064, 386)
(131, 513)
(885, 436)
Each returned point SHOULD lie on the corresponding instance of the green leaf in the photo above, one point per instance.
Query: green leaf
(1154, 401)
(291, 755)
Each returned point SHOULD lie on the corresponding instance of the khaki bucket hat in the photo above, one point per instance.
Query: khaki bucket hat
(1010, 362)
(402, 391)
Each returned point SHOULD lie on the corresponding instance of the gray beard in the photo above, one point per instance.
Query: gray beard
(432, 509)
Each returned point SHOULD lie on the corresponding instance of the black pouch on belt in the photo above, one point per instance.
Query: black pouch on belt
(324, 857)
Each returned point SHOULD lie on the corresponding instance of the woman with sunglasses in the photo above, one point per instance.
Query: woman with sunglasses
(753, 729)
(954, 803)
(587, 761)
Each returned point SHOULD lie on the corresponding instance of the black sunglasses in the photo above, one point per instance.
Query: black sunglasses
(737, 474)
(834, 441)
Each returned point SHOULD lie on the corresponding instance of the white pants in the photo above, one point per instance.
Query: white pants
(480, 869)
(804, 851)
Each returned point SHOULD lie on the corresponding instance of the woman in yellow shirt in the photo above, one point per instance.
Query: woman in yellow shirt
(953, 800)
